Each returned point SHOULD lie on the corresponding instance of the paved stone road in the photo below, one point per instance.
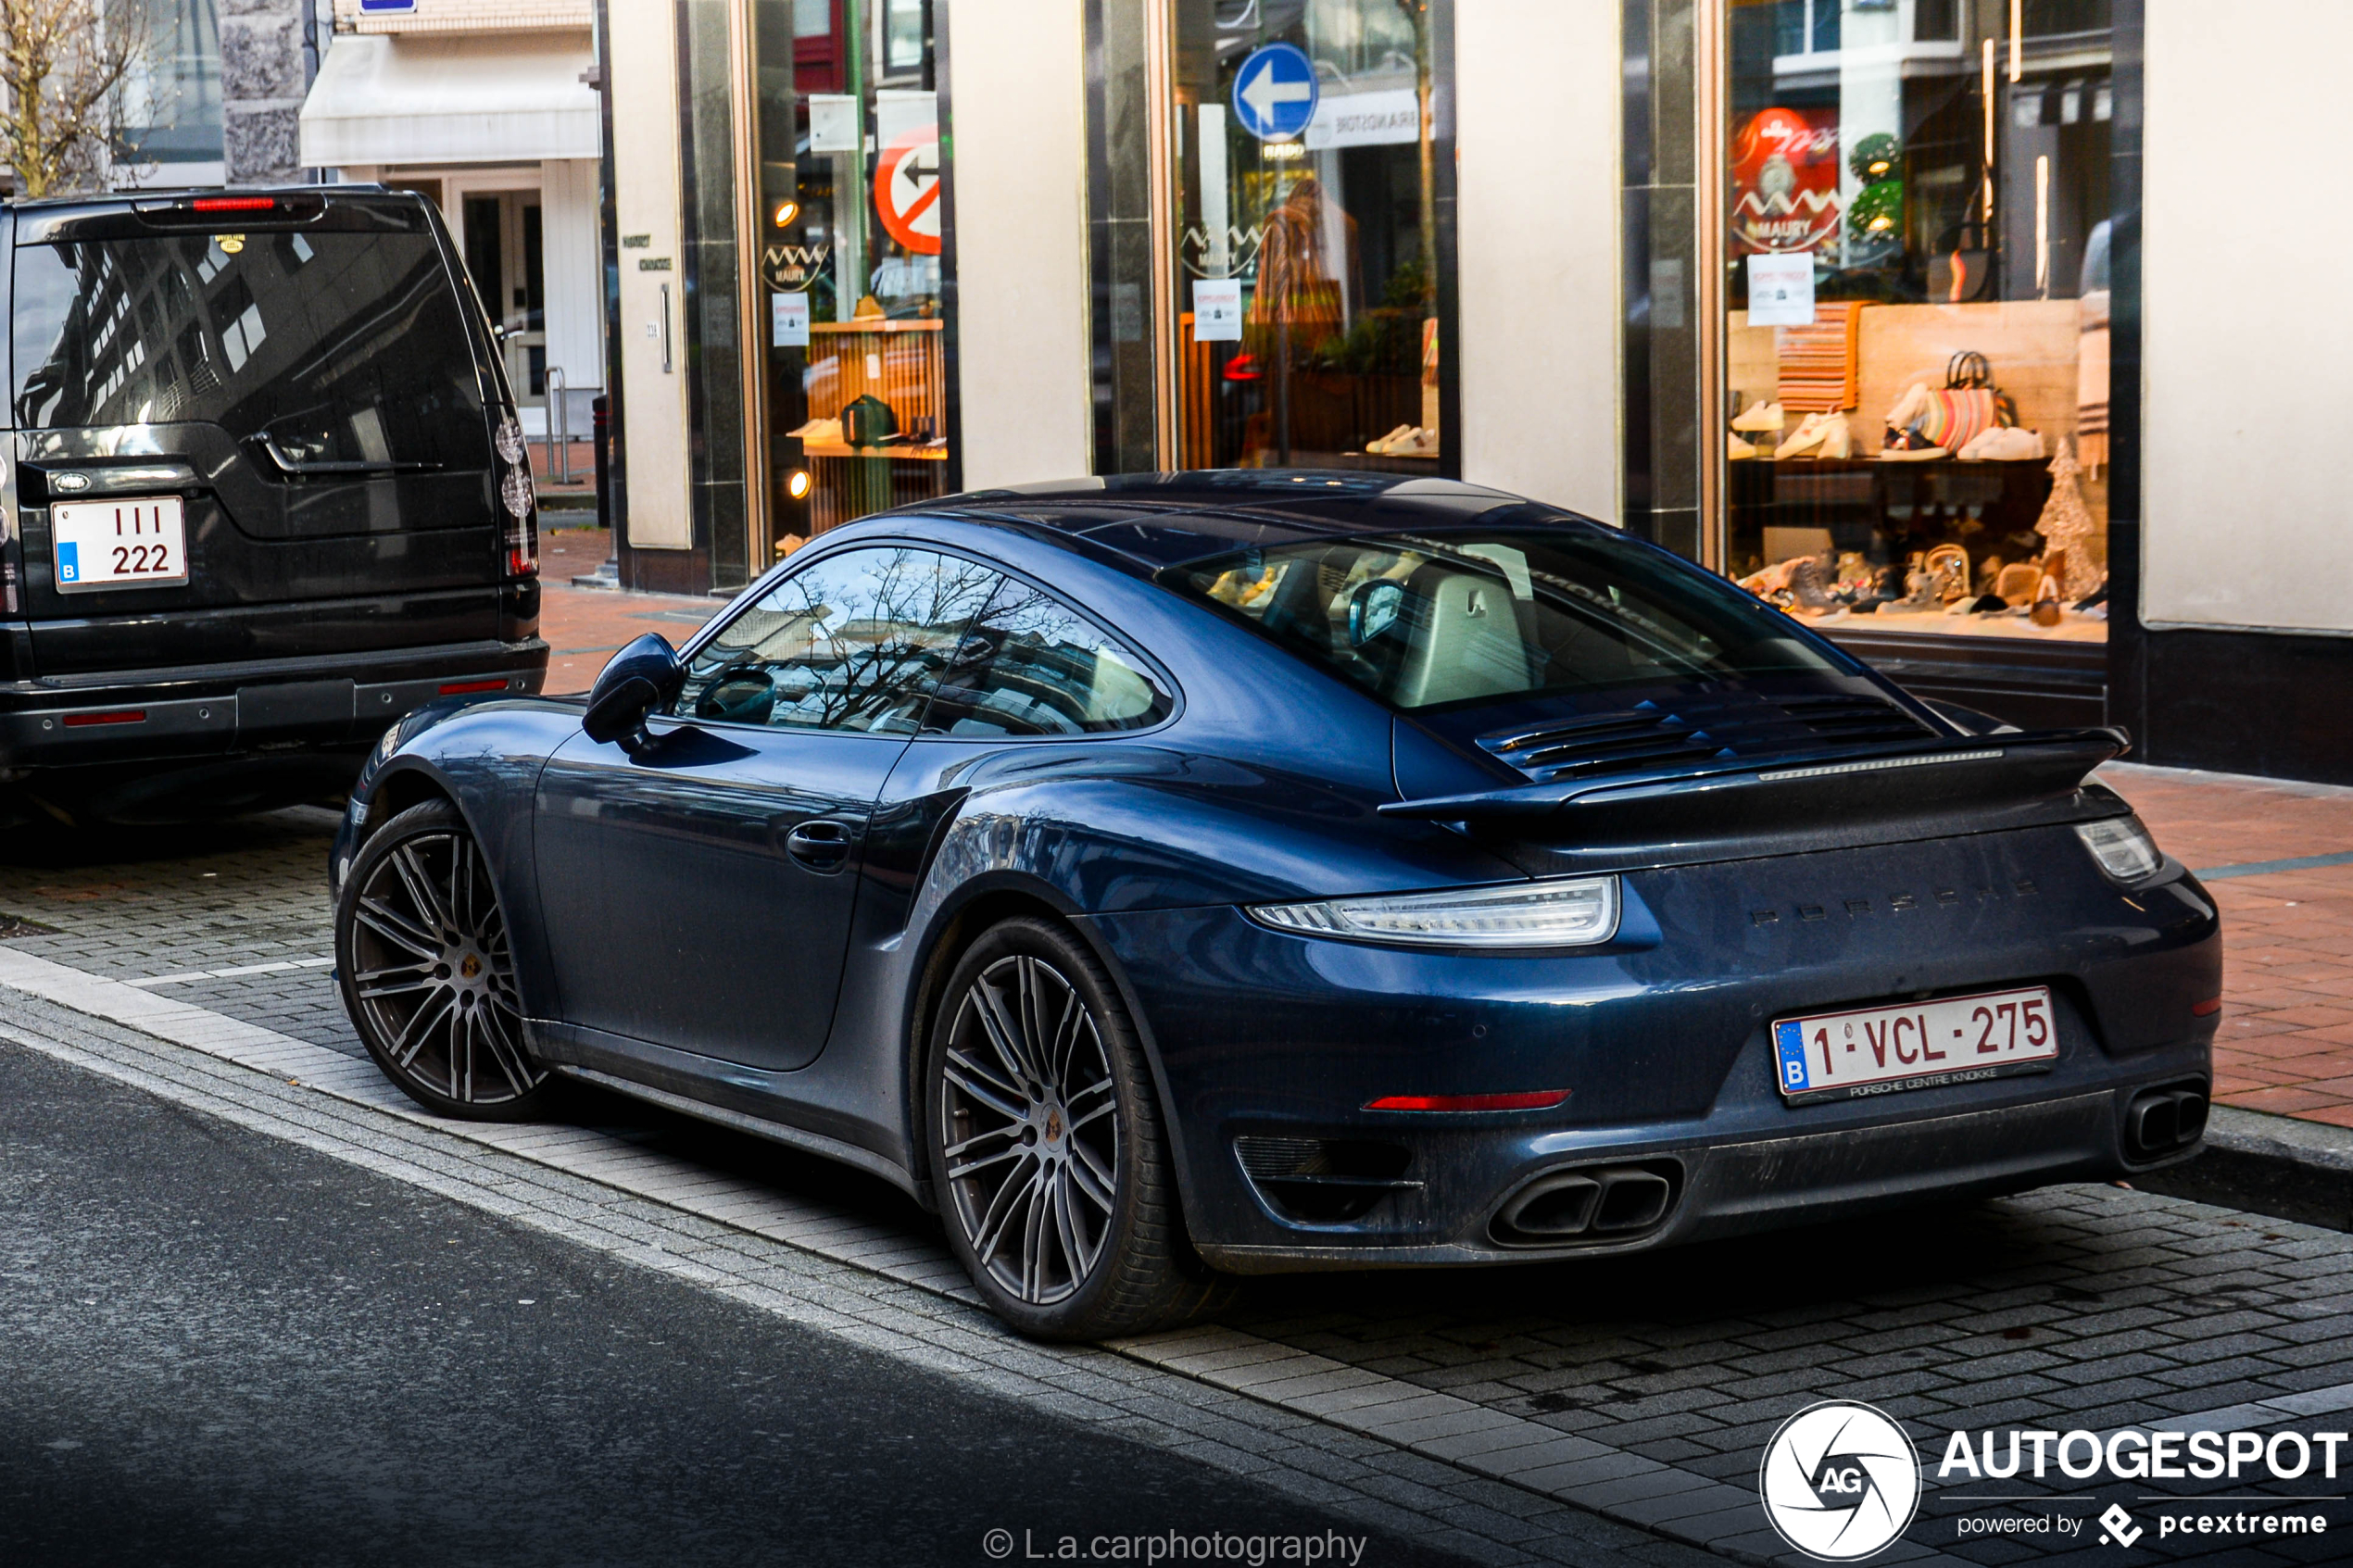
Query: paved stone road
(1633, 1396)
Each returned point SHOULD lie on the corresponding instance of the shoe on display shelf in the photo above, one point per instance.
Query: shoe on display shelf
(1761, 416)
(2004, 443)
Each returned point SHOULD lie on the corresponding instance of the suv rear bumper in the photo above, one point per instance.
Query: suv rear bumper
(329, 703)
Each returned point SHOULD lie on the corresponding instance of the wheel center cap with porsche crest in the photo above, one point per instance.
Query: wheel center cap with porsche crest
(470, 968)
(1841, 1481)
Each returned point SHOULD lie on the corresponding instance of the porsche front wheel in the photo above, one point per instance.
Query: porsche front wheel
(427, 976)
(1045, 1143)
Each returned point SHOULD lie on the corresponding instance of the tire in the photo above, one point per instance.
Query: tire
(1051, 1167)
(427, 976)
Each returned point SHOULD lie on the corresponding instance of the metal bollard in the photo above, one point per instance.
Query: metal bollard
(559, 428)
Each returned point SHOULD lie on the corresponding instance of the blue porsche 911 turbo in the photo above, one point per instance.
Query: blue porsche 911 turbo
(1187, 875)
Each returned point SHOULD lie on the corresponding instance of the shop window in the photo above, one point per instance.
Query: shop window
(1917, 348)
(849, 312)
(1307, 251)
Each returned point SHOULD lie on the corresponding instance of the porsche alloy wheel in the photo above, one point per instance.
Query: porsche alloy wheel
(422, 951)
(1046, 1144)
(1030, 1129)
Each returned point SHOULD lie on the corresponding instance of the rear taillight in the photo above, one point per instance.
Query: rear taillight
(517, 500)
(233, 203)
(9, 532)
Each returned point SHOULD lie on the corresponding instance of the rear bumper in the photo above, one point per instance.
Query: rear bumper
(1733, 1188)
(206, 713)
(1270, 1049)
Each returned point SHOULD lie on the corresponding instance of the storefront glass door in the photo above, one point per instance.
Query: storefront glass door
(1287, 166)
(502, 240)
(849, 242)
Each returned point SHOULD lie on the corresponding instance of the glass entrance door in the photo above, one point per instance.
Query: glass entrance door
(1308, 249)
(504, 254)
(847, 245)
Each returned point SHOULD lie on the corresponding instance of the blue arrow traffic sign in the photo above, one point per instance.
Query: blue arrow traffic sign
(1275, 92)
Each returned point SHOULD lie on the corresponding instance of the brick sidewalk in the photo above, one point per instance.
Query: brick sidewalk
(586, 626)
(2286, 1044)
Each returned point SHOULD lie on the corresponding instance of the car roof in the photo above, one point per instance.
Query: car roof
(1159, 520)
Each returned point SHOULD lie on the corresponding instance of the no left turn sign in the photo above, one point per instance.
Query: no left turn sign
(907, 190)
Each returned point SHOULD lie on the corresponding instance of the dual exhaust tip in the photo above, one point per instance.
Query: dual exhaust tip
(2160, 1121)
(1594, 1202)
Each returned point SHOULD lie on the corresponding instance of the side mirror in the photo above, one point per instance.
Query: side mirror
(639, 678)
(1372, 607)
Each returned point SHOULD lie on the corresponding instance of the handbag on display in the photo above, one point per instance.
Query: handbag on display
(868, 421)
(1947, 567)
(1934, 423)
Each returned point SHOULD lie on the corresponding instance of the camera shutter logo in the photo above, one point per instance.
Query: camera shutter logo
(1840, 1481)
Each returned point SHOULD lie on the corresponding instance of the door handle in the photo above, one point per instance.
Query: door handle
(821, 846)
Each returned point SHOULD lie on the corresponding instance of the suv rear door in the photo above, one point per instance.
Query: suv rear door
(305, 374)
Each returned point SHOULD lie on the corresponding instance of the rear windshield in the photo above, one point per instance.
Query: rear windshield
(1425, 621)
(341, 347)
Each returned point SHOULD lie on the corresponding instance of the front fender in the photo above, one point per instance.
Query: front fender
(485, 759)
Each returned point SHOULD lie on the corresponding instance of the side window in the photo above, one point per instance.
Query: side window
(855, 641)
(1032, 666)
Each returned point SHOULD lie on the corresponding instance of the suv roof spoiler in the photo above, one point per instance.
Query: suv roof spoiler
(150, 197)
(1913, 776)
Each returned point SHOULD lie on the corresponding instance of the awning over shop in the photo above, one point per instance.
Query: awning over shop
(425, 99)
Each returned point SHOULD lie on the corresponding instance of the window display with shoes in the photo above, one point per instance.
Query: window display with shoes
(1934, 404)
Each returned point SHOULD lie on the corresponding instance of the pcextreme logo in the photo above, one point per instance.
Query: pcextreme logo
(1840, 1481)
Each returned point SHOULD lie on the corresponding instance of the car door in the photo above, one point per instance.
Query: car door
(698, 892)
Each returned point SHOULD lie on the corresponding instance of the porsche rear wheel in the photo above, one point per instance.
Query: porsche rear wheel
(1045, 1143)
(427, 976)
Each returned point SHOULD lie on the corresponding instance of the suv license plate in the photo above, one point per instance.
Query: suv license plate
(140, 542)
(1881, 1051)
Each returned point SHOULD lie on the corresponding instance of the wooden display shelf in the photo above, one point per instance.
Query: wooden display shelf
(842, 449)
(882, 324)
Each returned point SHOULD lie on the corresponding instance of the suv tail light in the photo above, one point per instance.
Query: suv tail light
(518, 499)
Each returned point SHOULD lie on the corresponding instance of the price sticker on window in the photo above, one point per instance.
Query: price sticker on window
(1217, 309)
(788, 320)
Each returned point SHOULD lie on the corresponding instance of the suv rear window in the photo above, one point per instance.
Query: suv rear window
(341, 347)
(1427, 621)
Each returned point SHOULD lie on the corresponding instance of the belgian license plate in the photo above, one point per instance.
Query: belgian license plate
(1882, 1050)
(139, 542)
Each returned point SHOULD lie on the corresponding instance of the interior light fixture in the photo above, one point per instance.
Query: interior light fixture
(797, 485)
(786, 210)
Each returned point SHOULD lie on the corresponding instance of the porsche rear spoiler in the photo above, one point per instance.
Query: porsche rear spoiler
(1908, 778)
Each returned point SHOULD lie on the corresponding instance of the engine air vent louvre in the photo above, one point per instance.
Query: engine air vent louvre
(1708, 727)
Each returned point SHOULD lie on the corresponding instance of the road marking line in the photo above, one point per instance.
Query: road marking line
(237, 974)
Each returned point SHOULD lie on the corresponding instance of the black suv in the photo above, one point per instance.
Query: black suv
(265, 494)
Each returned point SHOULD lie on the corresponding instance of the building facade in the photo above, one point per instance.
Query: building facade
(489, 107)
(1942, 324)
